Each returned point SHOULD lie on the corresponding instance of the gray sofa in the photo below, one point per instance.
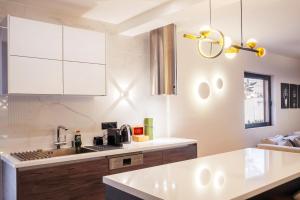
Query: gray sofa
(288, 143)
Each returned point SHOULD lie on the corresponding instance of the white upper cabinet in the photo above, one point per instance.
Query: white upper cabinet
(84, 79)
(34, 76)
(34, 39)
(44, 58)
(82, 45)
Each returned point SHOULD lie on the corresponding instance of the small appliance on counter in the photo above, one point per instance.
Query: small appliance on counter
(114, 137)
(126, 133)
(105, 126)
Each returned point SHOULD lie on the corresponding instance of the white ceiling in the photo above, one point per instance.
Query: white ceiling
(109, 11)
(117, 11)
(274, 23)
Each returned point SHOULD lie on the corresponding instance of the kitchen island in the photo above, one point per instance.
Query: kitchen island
(240, 174)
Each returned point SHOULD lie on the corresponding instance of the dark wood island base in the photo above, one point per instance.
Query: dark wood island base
(112, 193)
(282, 192)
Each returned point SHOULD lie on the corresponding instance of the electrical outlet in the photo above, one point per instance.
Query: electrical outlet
(107, 125)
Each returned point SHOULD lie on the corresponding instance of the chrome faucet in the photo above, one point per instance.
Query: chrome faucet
(58, 143)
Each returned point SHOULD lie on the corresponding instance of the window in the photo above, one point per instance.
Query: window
(258, 104)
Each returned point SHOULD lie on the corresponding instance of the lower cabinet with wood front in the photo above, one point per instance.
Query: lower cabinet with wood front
(82, 180)
(76, 181)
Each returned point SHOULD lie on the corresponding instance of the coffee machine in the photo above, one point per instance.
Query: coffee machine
(114, 137)
(126, 133)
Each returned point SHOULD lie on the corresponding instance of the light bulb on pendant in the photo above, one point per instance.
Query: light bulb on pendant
(231, 52)
(261, 52)
(251, 43)
(205, 31)
(227, 42)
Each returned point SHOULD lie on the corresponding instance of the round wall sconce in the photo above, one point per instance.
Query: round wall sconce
(219, 83)
(204, 90)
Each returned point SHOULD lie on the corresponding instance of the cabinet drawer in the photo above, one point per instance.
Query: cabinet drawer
(34, 76)
(180, 153)
(84, 79)
(83, 45)
(34, 39)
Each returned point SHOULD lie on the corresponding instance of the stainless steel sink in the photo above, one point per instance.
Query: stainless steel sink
(41, 154)
(67, 151)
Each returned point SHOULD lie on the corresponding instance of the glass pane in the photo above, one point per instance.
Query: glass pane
(267, 100)
(254, 101)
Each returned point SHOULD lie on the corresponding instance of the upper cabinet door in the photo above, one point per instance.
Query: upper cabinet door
(83, 45)
(84, 79)
(34, 76)
(35, 39)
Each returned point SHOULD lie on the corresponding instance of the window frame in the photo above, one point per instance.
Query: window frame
(269, 102)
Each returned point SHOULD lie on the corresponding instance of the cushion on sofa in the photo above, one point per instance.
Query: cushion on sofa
(285, 142)
(294, 139)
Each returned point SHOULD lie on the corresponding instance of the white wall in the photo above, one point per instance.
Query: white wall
(30, 122)
(218, 122)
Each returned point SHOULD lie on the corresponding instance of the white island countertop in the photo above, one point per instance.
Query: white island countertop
(156, 144)
(233, 175)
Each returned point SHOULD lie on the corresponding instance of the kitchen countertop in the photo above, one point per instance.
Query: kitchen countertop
(238, 174)
(156, 144)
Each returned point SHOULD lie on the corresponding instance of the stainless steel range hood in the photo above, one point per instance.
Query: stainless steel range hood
(163, 61)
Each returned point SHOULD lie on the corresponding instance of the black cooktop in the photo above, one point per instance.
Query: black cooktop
(103, 147)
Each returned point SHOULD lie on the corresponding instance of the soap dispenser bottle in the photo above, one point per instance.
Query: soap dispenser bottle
(77, 141)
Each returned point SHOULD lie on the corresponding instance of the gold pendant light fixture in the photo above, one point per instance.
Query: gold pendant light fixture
(250, 44)
(211, 42)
